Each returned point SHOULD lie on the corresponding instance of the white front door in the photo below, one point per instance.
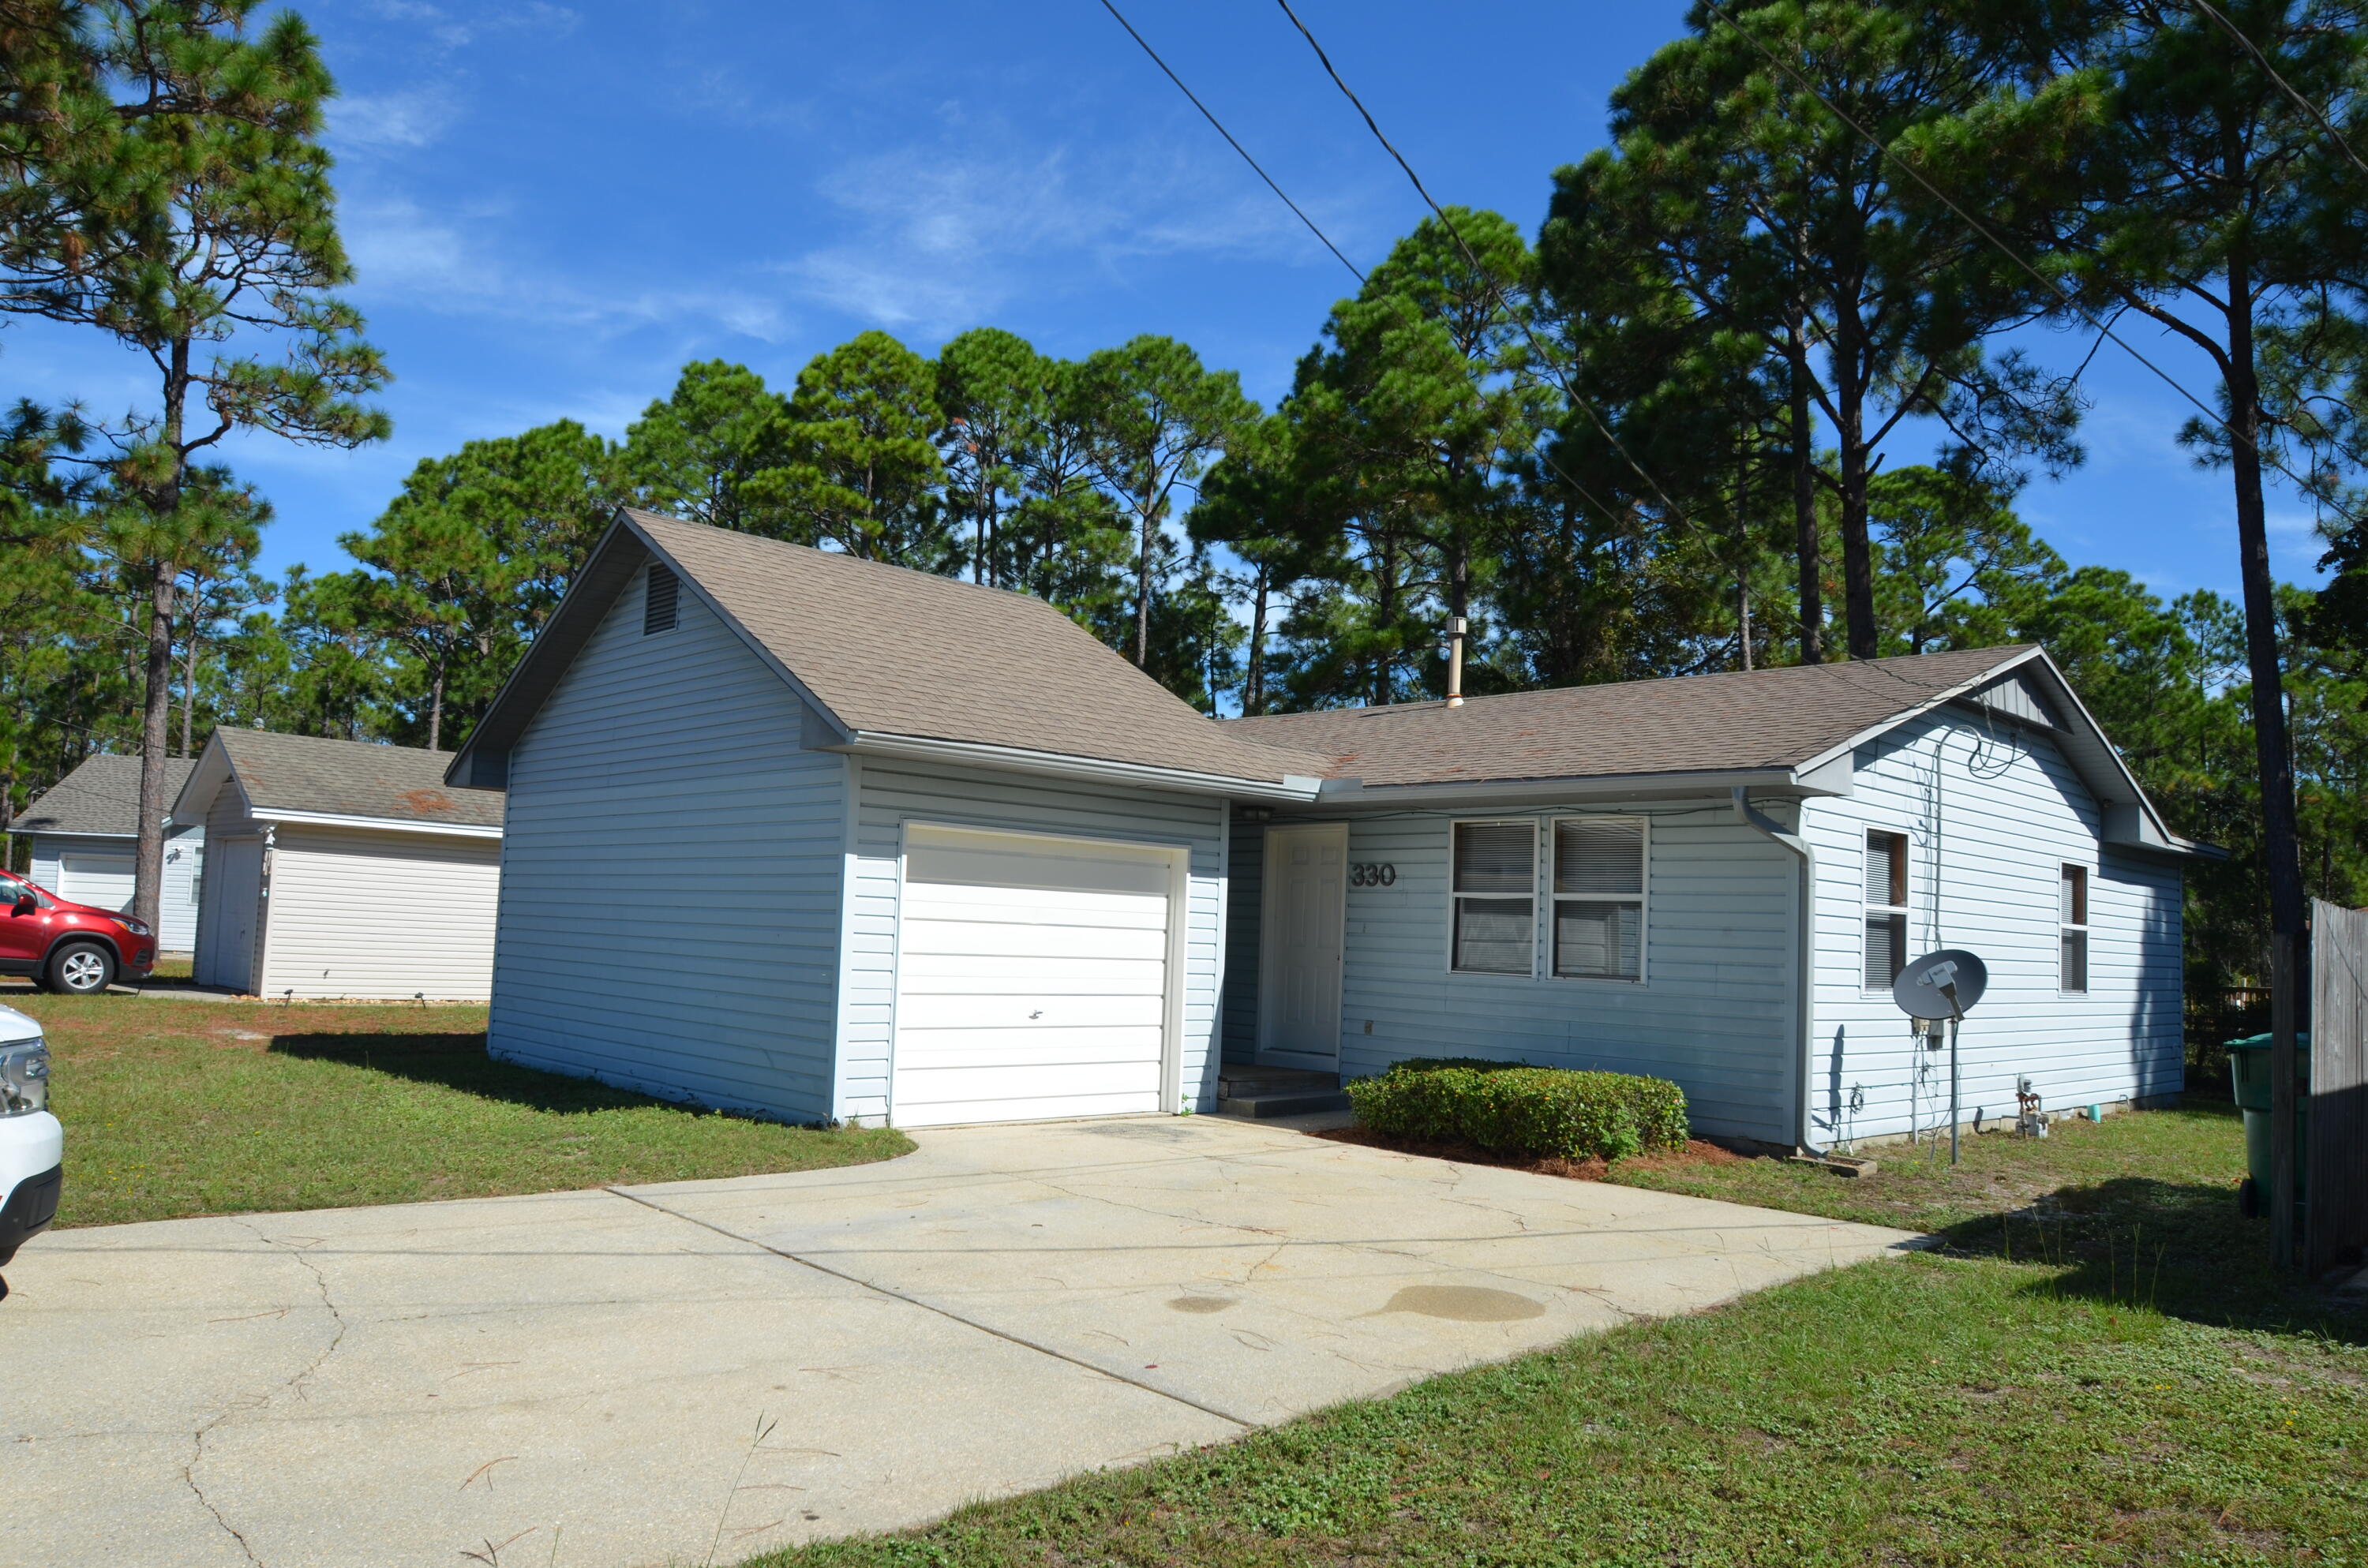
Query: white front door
(1032, 977)
(1302, 916)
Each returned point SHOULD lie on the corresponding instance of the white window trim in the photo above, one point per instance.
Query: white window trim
(1644, 906)
(1906, 911)
(2085, 928)
(1447, 953)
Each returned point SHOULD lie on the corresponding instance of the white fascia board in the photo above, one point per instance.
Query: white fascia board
(1058, 765)
(377, 824)
(1626, 786)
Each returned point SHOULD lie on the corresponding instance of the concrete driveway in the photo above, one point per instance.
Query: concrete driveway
(633, 1376)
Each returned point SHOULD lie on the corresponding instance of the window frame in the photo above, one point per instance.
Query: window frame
(1554, 901)
(1903, 912)
(1454, 898)
(2082, 879)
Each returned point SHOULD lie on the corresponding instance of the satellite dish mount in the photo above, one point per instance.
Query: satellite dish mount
(1942, 987)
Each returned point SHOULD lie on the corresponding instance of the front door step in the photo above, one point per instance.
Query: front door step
(1246, 1090)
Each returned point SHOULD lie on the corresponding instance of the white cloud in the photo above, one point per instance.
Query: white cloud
(944, 234)
(442, 261)
(441, 25)
(372, 120)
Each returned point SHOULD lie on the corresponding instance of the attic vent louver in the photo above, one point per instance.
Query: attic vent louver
(658, 601)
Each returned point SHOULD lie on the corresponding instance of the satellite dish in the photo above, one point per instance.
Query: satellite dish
(1945, 984)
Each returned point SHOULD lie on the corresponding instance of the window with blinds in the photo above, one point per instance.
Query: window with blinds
(1495, 893)
(660, 597)
(2072, 920)
(1599, 899)
(1886, 908)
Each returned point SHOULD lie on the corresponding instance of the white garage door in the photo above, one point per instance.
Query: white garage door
(1032, 978)
(101, 881)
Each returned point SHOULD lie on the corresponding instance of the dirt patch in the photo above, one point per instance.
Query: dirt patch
(1697, 1151)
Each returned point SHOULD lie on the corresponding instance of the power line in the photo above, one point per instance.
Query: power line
(2008, 251)
(2308, 107)
(1228, 135)
(1594, 417)
(1583, 492)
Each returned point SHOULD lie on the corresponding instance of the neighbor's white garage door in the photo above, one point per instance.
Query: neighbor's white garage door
(103, 881)
(1032, 978)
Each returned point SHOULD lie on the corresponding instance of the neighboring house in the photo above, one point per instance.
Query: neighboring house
(342, 868)
(828, 839)
(84, 828)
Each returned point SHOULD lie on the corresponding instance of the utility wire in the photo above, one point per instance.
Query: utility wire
(1228, 135)
(2308, 107)
(1984, 230)
(1583, 492)
(1536, 348)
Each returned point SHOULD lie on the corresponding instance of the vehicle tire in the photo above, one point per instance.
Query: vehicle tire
(80, 969)
(2248, 1199)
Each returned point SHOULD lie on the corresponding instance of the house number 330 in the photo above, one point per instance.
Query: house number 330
(1373, 874)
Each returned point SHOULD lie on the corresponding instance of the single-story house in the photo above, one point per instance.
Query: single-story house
(342, 868)
(828, 839)
(82, 832)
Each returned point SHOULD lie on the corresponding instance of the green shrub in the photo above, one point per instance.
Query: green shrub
(1510, 1109)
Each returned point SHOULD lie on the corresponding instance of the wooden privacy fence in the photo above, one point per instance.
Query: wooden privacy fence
(2335, 1189)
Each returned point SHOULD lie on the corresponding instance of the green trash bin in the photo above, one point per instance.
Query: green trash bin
(2248, 1072)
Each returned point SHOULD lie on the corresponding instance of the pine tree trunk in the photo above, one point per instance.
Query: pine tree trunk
(1143, 594)
(2280, 847)
(1805, 498)
(435, 709)
(189, 690)
(1254, 678)
(156, 724)
(1858, 564)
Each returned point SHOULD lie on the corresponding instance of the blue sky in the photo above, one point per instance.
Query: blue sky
(553, 207)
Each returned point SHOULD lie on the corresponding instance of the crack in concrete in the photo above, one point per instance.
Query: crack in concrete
(294, 1384)
(927, 1306)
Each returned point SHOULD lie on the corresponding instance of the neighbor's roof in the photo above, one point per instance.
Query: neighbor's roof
(100, 798)
(890, 653)
(1742, 722)
(351, 778)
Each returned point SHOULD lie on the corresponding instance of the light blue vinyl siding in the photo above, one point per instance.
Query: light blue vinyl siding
(1717, 1011)
(888, 794)
(184, 851)
(671, 869)
(2001, 829)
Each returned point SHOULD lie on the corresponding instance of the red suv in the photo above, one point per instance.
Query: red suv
(66, 947)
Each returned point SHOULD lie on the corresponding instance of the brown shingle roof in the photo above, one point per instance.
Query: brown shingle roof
(101, 797)
(353, 779)
(1717, 724)
(901, 653)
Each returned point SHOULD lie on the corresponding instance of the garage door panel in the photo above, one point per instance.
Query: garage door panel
(985, 939)
(101, 881)
(1035, 907)
(1135, 1048)
(1039, 865)
(956, 1012)
(1031, 979)
(985, 974)
(1027, 1109)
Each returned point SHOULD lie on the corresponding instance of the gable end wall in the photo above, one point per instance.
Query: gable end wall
(1987, 881)
(671, 866)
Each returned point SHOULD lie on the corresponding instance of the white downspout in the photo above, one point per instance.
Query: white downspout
(1804, 942)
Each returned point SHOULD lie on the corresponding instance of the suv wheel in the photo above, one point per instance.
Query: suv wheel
(81, 969)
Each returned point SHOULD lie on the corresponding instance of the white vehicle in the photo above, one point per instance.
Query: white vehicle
(33, 1144)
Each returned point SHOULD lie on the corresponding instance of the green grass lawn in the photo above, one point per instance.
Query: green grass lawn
(2094, 1366)
(175, 1107)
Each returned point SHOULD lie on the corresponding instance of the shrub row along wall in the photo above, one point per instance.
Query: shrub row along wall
(1537, 1112)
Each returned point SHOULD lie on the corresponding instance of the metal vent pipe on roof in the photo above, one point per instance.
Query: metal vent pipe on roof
(1456, 627)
